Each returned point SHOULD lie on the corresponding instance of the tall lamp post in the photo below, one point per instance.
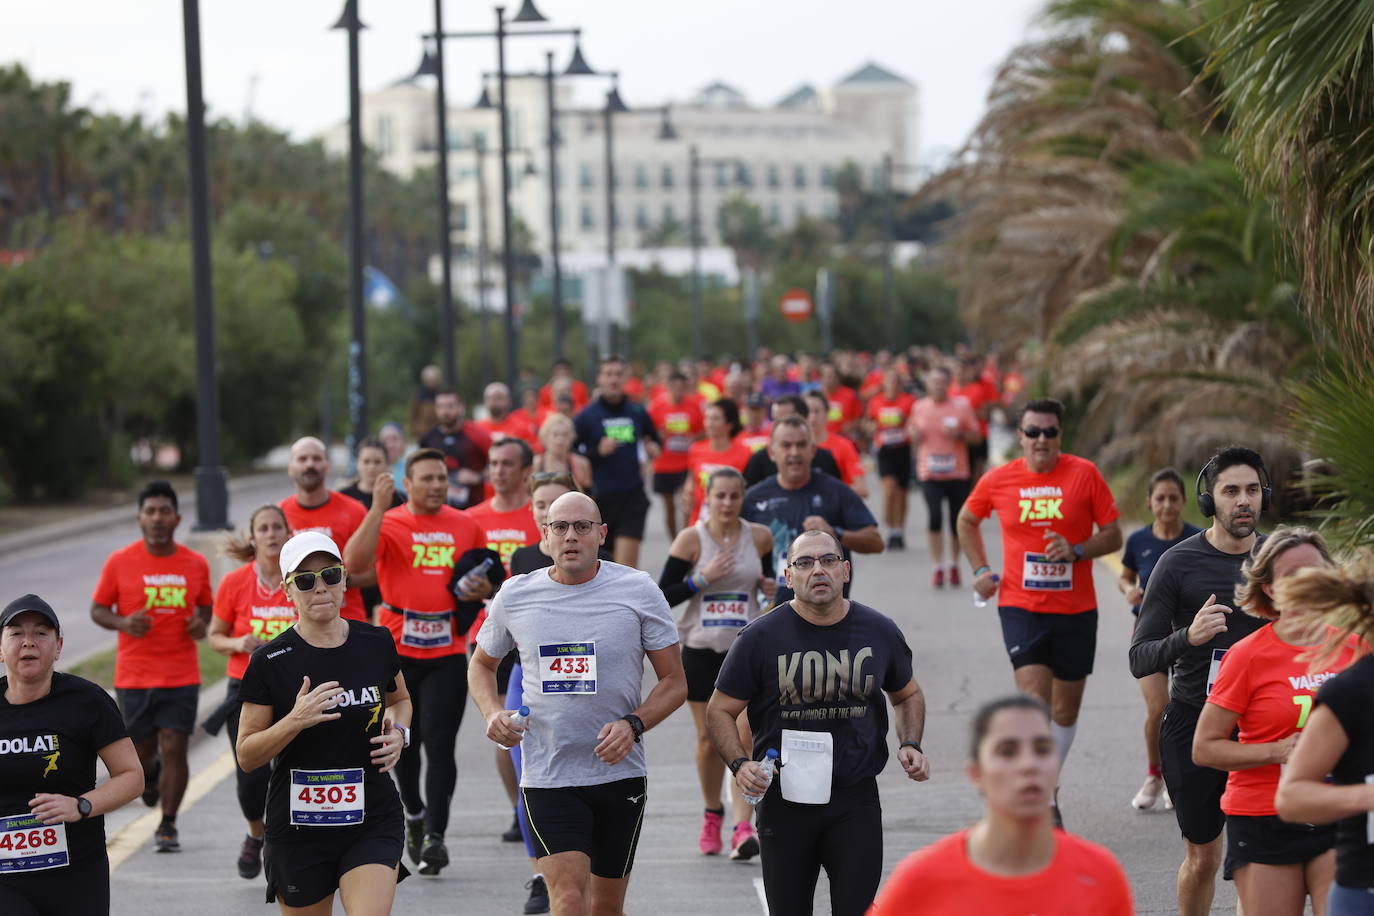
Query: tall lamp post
(357, 252)
(212, 496)
(434, 66)
(890, 236)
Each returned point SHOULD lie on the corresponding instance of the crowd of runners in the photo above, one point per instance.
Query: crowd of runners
(498, 557)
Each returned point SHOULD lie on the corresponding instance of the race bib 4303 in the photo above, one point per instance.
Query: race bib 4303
(26, 845)
(567, 667)
(326, 798)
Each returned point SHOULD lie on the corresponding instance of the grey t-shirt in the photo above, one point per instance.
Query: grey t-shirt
(582, 652)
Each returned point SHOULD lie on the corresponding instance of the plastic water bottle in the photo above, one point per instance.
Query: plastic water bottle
(979, 600)
(769, 761)
(476, 574)
(522, 716)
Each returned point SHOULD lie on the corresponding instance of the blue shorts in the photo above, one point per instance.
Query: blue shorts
(1065, 643)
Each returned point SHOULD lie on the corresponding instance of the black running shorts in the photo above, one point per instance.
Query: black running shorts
(601, 821)
(701, 666)
(1196, 791)
(1267, 840)
(146, 710)
(624, 514)
(304, 871)
(1066, 643)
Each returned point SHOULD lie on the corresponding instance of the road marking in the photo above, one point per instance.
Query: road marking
(1113, 562)
(135, 833)
(763, 898)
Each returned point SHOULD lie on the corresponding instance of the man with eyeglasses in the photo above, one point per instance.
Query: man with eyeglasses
(798, 499)
(415, 548)
(1048, 504)
(812, 673)
(583, 628)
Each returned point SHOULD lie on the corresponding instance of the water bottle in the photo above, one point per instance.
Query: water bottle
(521, 717)
(979, 600)
(475, 574)
(769, 761)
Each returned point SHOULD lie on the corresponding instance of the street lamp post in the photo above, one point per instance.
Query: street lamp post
(445, 221)
(556, 294)
(212, 496)
(694, 163)
(357, 252)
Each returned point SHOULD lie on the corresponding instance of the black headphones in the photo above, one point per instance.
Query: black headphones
(1208, 505)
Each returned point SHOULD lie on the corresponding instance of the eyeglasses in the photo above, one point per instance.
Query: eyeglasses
(582, 526)
(1035, 432)
(305, 581)
(827, 561)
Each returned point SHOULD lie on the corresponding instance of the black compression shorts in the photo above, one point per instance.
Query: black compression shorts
(939, 492)
(601, 821)
(669, 482)
(624, 514)
(895, 461)
(1271, 841)
(701, 667)
(1196, 791)
(304, 871)
(1066, 643)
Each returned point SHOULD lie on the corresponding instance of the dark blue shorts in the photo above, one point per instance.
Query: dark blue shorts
(1066, 643)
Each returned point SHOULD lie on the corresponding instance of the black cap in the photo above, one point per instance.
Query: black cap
(26, 604)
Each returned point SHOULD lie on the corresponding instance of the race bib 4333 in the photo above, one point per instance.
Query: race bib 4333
(567, 667)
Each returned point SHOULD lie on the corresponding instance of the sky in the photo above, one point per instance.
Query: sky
(280, 61)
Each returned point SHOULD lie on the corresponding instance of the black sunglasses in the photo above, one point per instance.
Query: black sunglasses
(305, 581)
(1035, 432)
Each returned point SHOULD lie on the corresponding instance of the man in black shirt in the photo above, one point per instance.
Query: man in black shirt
(797, 499)
(465, 446)
(812, 674)
(761, 465)
(1186, 625)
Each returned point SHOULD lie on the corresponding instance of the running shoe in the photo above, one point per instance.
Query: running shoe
(513, 834)
(744, 845)
(250, 857)
(938, 579)
(539, 896)
(165, 840)
(896, 541)
(1168, 802)
(433, 855)
(954, 580)
(709, 842)
(151, 794)
(415, 837)
(1149, 793)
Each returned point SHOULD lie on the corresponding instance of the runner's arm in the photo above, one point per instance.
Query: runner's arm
(261, 739)
(1155, 644)
(105, 616)
(909, 714)
(971, 539)
(1305, 797)
(482, 682)
(671, 690)
(1213, 747)
(123, 786)
(1106, 539)
(721, 726)
(361, 550)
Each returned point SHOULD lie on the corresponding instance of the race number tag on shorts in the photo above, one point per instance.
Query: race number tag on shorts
(725, 609)
(26, 845)
(941, 464)
(427, 630)
(567, 667)
(895, 435)
(326, 798)
(808, 762)
(1041, 574)
(677, 444)
(1213, 668)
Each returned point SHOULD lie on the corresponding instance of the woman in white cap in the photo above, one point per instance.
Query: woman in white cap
(53, 726)
(326, 704)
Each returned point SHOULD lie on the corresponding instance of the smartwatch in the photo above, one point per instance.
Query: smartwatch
(636, 725)
(736, 764)
(911, 744)
(83, 807)
(405, 735)
(1078, 551)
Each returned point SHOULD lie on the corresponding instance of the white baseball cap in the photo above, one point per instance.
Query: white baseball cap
(294, 551)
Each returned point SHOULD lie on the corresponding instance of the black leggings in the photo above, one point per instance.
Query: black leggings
(252, 787)
(438, 694)
(77, 890)
(937, 493)
(845, 837)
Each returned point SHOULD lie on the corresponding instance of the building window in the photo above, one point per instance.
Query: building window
(722, 175)
(774, 177)
(666, 177)
(641, 175)
(745, 175)
(585, 176)
(827, 176)
(460, 217)
(774, 214)
(641, 217)
(799, 176)
(588, 218)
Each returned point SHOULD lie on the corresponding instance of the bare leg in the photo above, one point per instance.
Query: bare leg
(1155, 689)
(1197, 877)
(670, 514)
(936, 540)
(1318, 875)
(710, 768)
(506, 768)
(368, 890)
(1271, 890)
(175, 771)
(568, 875)
(626, 551)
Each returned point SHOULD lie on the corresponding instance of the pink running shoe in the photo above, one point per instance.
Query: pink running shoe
(744, 845)
(709, 843)
(954, 577)
(937, 579)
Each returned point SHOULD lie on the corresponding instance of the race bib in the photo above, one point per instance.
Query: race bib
(808, 762)
(893, 436)
(1213, 668)
(941, 464)
(725, 609)
(326, 798)
(567, 667)
(27, 846)
(1041, 574)
(677, 444)
(427, 630)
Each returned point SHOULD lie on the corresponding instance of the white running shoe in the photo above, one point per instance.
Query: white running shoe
(1149, 794)
(1168, 802)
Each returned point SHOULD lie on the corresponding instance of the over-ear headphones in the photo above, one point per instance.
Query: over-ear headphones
(1208, 505)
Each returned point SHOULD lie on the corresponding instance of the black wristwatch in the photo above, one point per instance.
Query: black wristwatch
(83, 807)
(636, 725)
(912, 744)
(736, 764)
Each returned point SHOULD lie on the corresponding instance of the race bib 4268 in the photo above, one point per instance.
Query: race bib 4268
(26, 845)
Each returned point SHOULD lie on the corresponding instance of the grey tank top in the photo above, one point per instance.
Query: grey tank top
(717, 613)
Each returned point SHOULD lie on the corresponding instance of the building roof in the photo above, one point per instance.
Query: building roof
(720, 95)
(872, 73)
(804, 96)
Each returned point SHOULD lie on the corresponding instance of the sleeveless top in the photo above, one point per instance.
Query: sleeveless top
(717, 613)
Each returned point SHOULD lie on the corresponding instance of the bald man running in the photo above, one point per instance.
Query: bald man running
(583, 628)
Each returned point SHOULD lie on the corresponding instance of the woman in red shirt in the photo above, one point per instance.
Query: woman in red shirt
(888, 411)
(1265, 688)
(250, 610)
(720, 449)
(1012, 862)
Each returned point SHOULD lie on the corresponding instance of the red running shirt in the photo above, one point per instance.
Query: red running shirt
(415, 557)
(890, 417)
(517, 425)
(505, 532)
(845, 408)
(170, 588)
(1083, 879)
(846, 455)
(755, 439)
(1262, 681)
(337, 518)
(1067, 500)
(703, 461)
(248, 607)
(678, 425)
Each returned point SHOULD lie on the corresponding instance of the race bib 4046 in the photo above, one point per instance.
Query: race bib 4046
(26, 845)
(567, 667)
(725, 609)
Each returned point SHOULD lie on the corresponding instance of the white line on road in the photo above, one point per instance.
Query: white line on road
(136, 832)
(763, 898)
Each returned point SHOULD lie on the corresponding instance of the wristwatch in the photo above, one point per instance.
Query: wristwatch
(83, 807)
(405, 735)
(1078, 551)
(736, 764)
(911, 744)
(636, 725)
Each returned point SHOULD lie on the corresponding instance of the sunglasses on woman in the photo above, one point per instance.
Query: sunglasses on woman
(305, 581)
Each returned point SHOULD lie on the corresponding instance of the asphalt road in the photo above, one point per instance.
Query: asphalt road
(960, 663)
